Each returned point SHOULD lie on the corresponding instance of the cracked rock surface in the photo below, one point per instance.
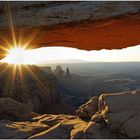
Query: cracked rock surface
(117, 116)
(120, 111)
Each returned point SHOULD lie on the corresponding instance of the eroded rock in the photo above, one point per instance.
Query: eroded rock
(78, 131)
(117, 117)
(63, 129)
(73, 24)
(20, 130)
(97, 117)
(88, 109)
(52, 120)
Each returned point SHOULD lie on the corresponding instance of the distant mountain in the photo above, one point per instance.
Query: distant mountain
(90, 79)
(60, 61)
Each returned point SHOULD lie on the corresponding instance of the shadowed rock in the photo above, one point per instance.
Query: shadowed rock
(20, 130)
(11, 109)
(121, 112)
(36, 89)
(120, 119)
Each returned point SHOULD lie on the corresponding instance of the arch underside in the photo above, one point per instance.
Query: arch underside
(112, 32)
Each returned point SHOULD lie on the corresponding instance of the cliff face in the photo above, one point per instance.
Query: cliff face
(30, 86)
(84, 25)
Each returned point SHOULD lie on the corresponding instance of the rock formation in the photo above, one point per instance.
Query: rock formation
(88, 109)
(59, 71)
(47, 69)
(121, 112)
(84, 25)
(12, 109)
(117, 116)
(68, 73)
(29, 85)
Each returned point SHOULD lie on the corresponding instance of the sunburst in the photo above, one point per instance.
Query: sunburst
(15, 56)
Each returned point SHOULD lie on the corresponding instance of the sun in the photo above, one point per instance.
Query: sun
(16, 55)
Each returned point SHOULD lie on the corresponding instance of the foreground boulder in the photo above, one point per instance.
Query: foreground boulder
(112, 115)
(88, 109)
(12, 109)
(121, 112)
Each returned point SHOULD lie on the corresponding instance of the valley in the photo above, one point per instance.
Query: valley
(93, 79)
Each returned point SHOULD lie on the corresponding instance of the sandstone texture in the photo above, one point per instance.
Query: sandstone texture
(88, 109)
(88, 25)
(117, 117)
(121, 112)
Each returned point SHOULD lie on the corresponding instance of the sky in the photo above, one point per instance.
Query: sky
(57, 54)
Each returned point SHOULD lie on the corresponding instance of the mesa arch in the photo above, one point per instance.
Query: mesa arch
(87, 25)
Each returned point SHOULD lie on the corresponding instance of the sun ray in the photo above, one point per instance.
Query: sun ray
(13, 74)
(2, 47)
(17, 45)
(7, 87)
(43, 87)
(21, 77)
(13, 48)
(20, 39)
(3, 69)
(31, 38)
(17, 42)
(11, 26)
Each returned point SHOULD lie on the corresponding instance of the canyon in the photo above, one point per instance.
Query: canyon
(31, 86)
(39, 114)
(35, 103)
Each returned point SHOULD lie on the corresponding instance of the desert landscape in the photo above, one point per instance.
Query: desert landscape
(57, 107)
(69, 70)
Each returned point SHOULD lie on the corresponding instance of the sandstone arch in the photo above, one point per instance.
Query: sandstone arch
(84, 25)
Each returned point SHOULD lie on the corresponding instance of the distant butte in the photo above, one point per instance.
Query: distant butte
(83, 25)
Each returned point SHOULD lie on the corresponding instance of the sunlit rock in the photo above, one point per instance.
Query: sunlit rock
(88, 109)
(20, 130)
(97, 117)
(66, 128)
